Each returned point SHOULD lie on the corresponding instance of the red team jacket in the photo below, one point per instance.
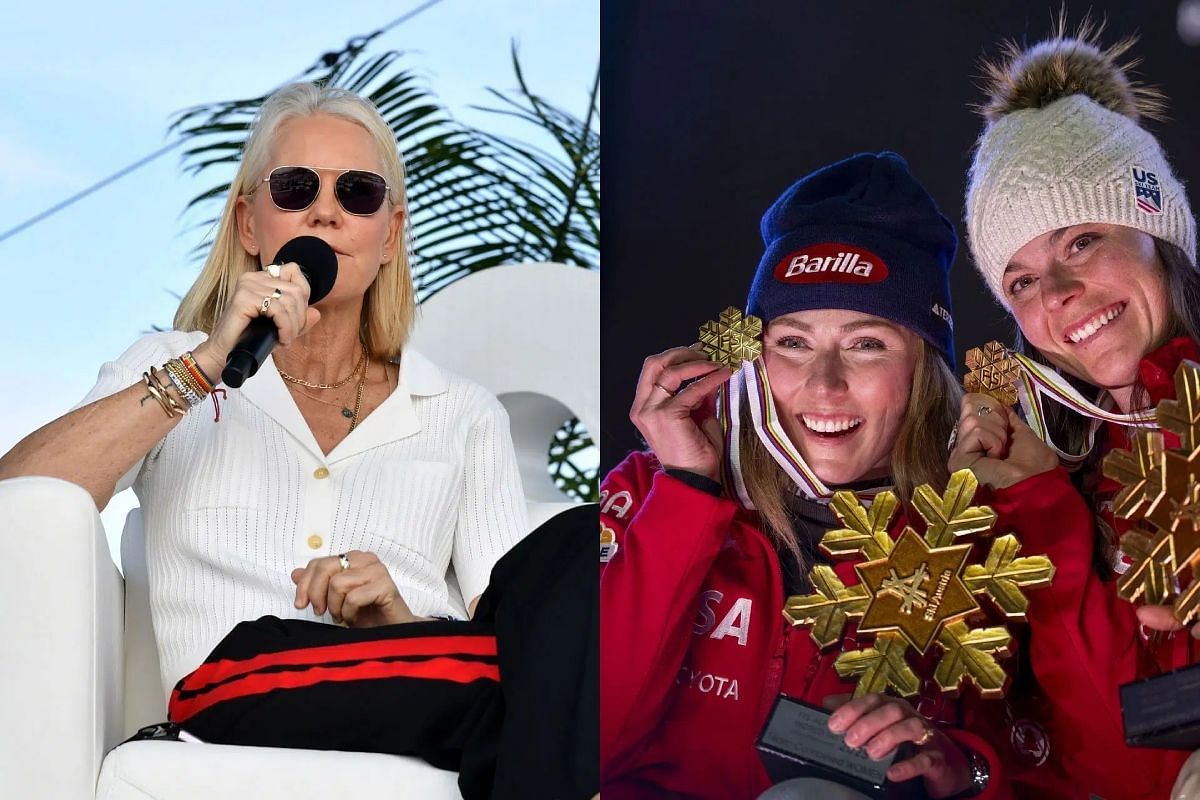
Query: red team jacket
(1085, 640)
(694, 647)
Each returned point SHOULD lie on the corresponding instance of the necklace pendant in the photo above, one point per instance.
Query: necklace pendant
(347, 413)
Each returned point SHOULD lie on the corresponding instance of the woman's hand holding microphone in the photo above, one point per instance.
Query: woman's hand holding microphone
(278, 292)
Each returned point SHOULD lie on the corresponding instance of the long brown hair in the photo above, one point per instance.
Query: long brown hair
(918, 457)
(1068, 429)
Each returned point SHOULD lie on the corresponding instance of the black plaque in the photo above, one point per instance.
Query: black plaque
(796, 743)
(1163, 711)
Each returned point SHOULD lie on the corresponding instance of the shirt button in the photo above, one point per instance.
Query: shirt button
(320, 473)
(315, 542)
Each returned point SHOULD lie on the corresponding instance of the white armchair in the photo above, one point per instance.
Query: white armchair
(78, 663)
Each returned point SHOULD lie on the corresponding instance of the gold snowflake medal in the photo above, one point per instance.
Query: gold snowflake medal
(920, 590)
(732, 338)
(991, 370)
(1161, 495)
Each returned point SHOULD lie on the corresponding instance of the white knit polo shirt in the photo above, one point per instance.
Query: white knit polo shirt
(427, 480)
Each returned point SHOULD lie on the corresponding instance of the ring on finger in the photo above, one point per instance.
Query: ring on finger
(344, 560)
(925, 737)
(266, 303)
(983, 410)
(665, 389)
(953, 438)
(273, 269)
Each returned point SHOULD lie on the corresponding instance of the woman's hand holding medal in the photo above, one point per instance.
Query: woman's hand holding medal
(1001, 450)
(997, 445)
(674, 408)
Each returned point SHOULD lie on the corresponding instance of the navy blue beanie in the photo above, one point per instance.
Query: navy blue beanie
(862, 235)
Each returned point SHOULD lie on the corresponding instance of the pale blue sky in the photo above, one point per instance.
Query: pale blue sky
(90, 87)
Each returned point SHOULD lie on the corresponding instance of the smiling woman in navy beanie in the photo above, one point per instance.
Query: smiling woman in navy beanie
(707, 531)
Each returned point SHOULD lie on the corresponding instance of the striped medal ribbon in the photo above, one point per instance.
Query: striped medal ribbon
(752, 382)
(1039, 382)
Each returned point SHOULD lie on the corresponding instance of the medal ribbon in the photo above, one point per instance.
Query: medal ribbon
(752, 378)
(1039, 382)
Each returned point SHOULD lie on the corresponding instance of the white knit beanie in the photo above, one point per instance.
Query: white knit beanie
(1063, 147)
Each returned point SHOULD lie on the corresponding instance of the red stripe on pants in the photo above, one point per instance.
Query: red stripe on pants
(217, 671)
(441, 668)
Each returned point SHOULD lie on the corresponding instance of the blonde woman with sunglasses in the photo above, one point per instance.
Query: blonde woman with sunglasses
(324, 505)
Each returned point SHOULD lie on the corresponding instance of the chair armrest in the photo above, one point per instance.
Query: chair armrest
(63, 602)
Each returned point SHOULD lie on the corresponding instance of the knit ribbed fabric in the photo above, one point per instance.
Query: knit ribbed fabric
(427, 480)
(1071, 162)
(866, 211)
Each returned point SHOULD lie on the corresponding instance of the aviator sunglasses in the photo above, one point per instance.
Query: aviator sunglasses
(295, 188)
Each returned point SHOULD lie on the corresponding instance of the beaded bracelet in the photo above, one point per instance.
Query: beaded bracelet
(190, 397)
(190, 373)
(188, 380)
(193, 366)
(183, 381)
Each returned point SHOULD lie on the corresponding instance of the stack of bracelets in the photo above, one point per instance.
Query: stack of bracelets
(188, 380)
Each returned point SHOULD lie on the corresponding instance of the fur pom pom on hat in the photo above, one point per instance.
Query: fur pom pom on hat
(1063, 146)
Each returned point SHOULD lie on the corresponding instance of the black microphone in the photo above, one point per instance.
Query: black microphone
(318, 262)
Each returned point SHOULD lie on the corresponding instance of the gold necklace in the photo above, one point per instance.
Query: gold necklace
(362, 382)
(347, 412)
(337, 385)
(342, 406)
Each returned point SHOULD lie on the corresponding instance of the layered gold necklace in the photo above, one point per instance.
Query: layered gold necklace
(351, 414)
(338, 385)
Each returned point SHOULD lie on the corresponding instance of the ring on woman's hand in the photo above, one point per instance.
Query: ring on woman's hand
(266, 303)
(953, 438)
(344, 560)
(273, 269)
(983, 410)
(925, 737)
(665, 389)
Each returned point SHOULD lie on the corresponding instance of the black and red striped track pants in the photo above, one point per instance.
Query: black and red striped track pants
(510, 699)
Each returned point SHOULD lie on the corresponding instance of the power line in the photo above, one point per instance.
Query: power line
(405, 17)
(144, 160)
(54, 209)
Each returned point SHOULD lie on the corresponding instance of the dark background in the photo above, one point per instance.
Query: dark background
(713, 107)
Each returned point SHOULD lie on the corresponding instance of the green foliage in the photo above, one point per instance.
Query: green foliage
(569, 449)
(476, 199)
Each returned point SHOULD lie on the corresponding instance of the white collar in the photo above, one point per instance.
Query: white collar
(419, 375)
(394, 419)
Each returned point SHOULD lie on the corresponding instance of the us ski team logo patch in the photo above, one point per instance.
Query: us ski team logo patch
(1147, 191)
